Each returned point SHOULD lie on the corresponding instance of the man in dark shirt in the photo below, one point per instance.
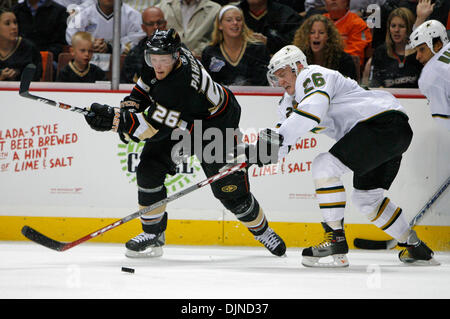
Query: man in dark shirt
(43, 22)
(274, 23)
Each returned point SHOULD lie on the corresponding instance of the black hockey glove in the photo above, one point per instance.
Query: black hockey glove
(102, 117)
(131, 104)
(126, 123)
(267, 147)
(264, 152)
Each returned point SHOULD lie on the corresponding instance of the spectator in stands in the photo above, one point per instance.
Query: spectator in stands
(235, 57)
(97, 19)
(322, 44)
(193, 20)
(80, 69)
(15, 52)
(357, 36)
(152, 20)
(44, 23)
(390, 67)
(423, 10)
(272, 23)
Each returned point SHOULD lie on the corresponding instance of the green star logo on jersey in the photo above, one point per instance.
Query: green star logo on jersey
(186, 172)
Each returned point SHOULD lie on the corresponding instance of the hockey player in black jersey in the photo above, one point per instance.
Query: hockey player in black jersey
(177, 94)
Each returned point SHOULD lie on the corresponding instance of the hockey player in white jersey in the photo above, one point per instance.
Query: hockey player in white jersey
(371, 131)
(432, 47)
(98, 19)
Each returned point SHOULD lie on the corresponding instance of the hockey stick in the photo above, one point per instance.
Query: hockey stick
(46, 241)
(25, 81)
(389, 244)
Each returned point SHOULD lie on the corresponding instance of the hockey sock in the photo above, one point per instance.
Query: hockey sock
(390, 219)
(332, 201)
(251, 215)
(154, 224)
(327, 171)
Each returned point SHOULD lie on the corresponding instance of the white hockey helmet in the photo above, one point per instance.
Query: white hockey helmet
(425, 33)
(287, 56)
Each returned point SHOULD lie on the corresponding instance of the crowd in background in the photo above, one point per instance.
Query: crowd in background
(72, 40)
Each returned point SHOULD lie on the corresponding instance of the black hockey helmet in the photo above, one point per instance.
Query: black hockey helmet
(163, 42)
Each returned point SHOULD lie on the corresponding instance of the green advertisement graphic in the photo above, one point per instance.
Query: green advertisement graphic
(186, 171)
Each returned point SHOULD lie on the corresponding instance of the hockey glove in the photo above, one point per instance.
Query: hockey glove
(131, 104)
(128, 124)
(102, 117)
(267, 147)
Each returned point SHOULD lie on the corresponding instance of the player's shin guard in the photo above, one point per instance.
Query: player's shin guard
(252, 216)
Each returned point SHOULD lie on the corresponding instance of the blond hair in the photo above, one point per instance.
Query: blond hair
(334, 46)
(82, 35)
(217, 34)
(408, 17)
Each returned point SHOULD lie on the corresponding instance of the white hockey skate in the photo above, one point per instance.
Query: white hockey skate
(145, 245)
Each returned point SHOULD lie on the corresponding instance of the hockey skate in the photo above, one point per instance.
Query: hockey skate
(334, 245)
(272, 242)
(145, 245)
(416, 252)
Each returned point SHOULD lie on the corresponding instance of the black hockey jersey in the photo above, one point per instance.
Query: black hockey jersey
(22, 54)
(71, 74)
(186, 94)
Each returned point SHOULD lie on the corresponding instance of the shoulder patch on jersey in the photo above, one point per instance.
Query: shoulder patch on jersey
(183, 59)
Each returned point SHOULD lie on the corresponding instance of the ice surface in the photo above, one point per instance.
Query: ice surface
(30, 271)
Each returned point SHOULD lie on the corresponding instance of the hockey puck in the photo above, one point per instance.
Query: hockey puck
(130, 270)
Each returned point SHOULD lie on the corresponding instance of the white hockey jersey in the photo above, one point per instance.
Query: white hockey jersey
(93, 20)
(434, 83)
(327, 102)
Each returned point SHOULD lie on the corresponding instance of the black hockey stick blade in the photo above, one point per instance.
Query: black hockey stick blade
(39, 238)
(374, 244)
(25, 80)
